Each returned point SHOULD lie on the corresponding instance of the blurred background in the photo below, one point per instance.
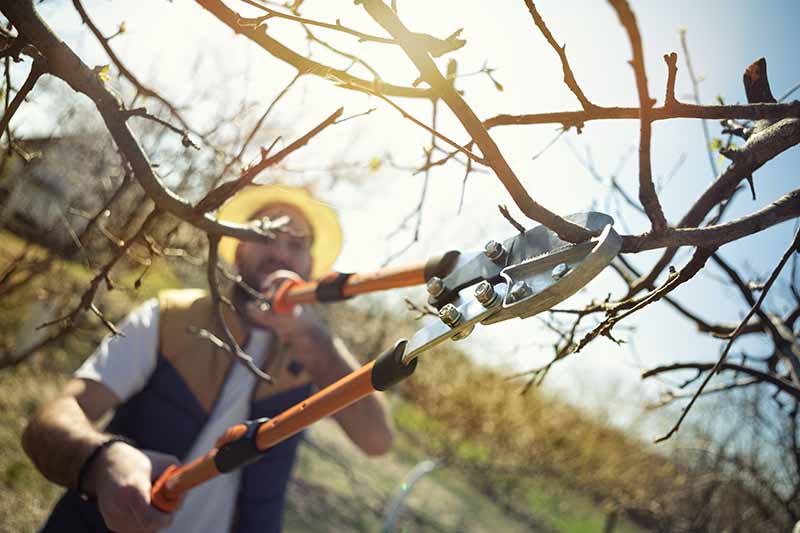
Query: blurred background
(476, 451)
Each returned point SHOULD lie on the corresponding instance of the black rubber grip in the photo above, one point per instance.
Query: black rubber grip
(330, 286)
(389, 369)
(241, 451)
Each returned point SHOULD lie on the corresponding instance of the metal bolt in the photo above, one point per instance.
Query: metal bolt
(435, 286)
(463, 334)
(519, 290)
(559, 270)
(450, 315)
(494, 250)
(484, 293)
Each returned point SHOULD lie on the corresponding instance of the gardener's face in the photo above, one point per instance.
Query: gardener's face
(289, 250)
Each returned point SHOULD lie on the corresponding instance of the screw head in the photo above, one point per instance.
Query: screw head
(435, 286)
(484, 293)
(450, 315)
(463, 334)
(519, 290)
(494, 250)
(560, 270)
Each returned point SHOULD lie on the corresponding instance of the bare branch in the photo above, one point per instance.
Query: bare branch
(229, 343)
(647, 191)
(785, 208)
(678, 110)
(220, 195)
(36, 72)
(388, 19)
(696, 98)
(794, 247)
(569, 78)
(302, 64)
(695, 264)
(782, 384)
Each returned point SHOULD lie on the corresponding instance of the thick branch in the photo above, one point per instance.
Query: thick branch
(669, 112)
(760, 148)
(785, 208)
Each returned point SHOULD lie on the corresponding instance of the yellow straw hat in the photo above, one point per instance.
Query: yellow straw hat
(327, 238)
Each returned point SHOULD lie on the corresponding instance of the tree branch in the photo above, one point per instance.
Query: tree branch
(647, 190)
(220, 195)
(302, 64)
(678, 110)
(63, 63)
(782, 384)
(388, 19)
(794, 247)
(37, 69)
(569, 78)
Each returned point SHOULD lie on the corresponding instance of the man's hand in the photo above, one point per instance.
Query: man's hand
(301, 328)
(121, 477)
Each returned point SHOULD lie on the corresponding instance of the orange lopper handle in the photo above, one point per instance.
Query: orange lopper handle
(292, 292)
(244, 443)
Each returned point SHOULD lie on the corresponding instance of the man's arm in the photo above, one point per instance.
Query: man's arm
(62, 436)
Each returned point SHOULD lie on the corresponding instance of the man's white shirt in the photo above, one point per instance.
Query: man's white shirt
(125, 364)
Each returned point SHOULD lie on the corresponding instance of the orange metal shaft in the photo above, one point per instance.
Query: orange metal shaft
(380, 280)
(169, 489)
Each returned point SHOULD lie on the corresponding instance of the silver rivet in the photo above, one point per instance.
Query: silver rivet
(484, 293)
(450, 315)
(494, 250)
(435, 286)
(559, 270)
(519, 290)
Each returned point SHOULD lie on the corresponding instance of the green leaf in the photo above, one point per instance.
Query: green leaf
(102, 72)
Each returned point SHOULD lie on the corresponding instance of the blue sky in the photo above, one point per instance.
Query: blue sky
(163, 40)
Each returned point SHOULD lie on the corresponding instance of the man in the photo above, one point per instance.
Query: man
(174, 393)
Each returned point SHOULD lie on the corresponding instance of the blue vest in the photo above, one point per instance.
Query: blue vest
(170, 411)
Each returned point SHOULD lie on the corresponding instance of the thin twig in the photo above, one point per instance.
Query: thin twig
(36, 72)
(569, 77)
(696, 98)
(229, 342)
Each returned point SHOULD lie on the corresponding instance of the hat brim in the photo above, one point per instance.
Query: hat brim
(245, 204)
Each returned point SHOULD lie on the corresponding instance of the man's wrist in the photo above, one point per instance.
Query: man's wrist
(94, 465)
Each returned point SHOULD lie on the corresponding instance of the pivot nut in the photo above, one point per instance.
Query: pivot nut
(435, 286)
(518, 291)
(450, 315)
(484, 293)
(494, 250)
(560, 270)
